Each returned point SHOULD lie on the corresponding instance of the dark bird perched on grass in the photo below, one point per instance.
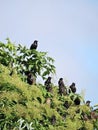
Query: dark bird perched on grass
(72, 88)
(62, 89)
(30, 78)
(88, 103)
(48, 84)
(77, 101)
(66, 104)
(34, 45)
(53, 119)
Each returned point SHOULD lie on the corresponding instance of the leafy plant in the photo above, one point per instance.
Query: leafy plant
(22, 60)
(25, 107)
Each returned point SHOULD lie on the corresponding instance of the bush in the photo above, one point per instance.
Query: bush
(31, 107)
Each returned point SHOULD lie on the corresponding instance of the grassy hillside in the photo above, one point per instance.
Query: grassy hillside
(28, 107)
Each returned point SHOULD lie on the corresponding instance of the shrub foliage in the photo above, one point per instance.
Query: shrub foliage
(21, 59)
(32, 107)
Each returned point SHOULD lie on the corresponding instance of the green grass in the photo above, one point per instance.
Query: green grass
(23, 105)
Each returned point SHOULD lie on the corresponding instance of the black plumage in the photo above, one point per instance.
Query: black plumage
(34, 45)
(62, 89)
(48, 84)
(88, 103)
(30, 78)
(66, 104)
(77, 101)
(53, 119)
(72, 88)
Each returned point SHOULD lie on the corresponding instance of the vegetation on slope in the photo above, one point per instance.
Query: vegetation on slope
(31, 107)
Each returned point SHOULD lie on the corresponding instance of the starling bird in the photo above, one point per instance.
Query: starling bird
(62, 89)
(53, 119)
(48, 84)
(77, 101)
(88, 103)
(72, 88)
(30, 78)
(66, 104)
(34, 45)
